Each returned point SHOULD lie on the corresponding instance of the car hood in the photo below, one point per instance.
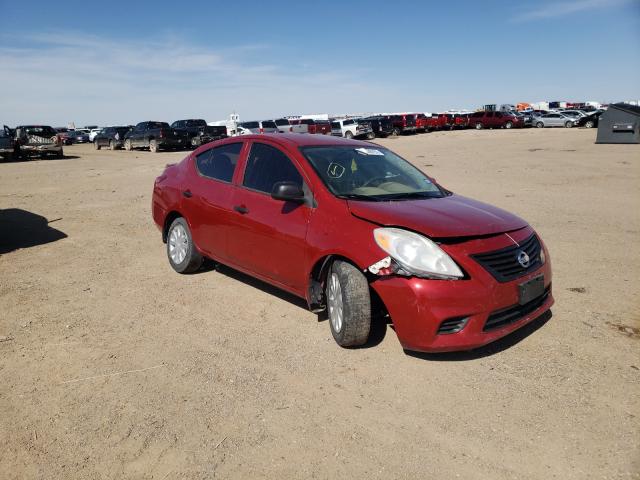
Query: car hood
(452, 216)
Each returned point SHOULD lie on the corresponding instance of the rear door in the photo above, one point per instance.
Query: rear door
(268, 237)
(207, 196)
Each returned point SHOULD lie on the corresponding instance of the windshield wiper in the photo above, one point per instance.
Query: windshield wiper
(410, 195)
(356, 196)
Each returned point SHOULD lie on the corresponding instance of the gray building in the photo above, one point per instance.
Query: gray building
(619, 124)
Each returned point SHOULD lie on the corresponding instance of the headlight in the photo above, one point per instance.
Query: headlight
(415, 254)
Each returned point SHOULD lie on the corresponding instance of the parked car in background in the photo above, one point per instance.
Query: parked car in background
(554, 119)
(341, 221)
(199, 132)
(460, 120)
(490, 119)
(352, 128)
(63, 133)
(111, 137)
(40, 140)
(381, 126)
(78, 136)
(93, 132)
(262, 126)
(526, 117)
(156, 136)
(591, 120)
(403, 123)
(283, 125)
(9, 149)
(310, 125)
(422, 123)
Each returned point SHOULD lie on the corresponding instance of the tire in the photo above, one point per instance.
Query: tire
(181, 252)
(589, 124)
(153, 145)
(348, 305)
(196, 141)
(96, 145)
(508, 125)
(568, 125)
(539, 125)
(127, 145)
(395, 132)
(479, 126)
(112, 145)
(348, 135)
(371, 136)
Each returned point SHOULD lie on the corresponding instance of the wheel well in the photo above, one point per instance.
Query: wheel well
(317, 279)
(167, 223)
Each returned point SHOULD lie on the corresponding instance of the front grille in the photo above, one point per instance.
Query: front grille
(513, 314)
(503, 264)
(452, 325)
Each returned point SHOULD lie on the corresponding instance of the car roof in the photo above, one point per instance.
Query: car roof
(303, 140)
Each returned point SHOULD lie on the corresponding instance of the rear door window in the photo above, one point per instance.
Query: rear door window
(266, 166)
(220, 162)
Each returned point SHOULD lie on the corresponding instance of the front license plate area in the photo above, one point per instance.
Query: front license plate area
(531, 289)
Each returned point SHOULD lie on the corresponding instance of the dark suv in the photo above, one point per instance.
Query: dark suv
(488, 119)
(112, 137)
(199, 132)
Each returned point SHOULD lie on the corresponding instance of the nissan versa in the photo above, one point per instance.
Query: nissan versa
(335, 220)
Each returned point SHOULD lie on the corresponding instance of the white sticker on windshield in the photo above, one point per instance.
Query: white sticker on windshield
(335, 170)
(369, 151)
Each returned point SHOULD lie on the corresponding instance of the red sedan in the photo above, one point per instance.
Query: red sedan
(333, 220)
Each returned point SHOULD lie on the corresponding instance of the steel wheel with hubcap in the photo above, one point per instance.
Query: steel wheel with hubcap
(182, 253)
(348, 304)
(96, 145)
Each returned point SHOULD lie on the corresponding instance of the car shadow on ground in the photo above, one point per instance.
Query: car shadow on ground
(22, 229)
(23, 159)
(488, 350)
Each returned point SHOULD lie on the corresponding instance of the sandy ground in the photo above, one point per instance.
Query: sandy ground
(113, 366)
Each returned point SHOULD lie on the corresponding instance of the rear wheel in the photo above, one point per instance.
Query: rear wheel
(112, 145)
(127, 145)
(182, 253)
(479, 126)
(153, 145)
(539, 124)
(508, 125)
(348, 134)
(196, 141)
(568, 124)
(395, 131)
(589, 124)
(348, 304)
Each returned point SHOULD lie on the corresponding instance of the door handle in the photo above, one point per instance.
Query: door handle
(187, 194)
(241, 209)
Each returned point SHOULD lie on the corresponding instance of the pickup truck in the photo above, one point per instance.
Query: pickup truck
(38, 140)
(308, 125)
(199, 132)
(350, 128)
(381, 125)
(156, 136)
(422, 123)
(403, 123)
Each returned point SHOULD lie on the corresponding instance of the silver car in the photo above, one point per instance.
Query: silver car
(554, 119)
(264, 126)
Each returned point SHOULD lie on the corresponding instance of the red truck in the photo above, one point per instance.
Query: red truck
(309, 125)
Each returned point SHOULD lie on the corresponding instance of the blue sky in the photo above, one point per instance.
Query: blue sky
(124, 62)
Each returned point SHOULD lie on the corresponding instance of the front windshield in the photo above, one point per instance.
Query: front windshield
(369, 173)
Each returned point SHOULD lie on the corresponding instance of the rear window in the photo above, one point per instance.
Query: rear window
(249, 125)
(158, 125)
(281, 122)
(42, 131)
(196, 123)
(335, 125)
(269, 124)
(348, 122)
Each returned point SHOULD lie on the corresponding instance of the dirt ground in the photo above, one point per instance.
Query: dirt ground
(113, 366)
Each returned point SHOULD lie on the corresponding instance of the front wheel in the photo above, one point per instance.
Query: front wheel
(568, 125)
(508, 125)
(371, 136)
(589, 124)
(396, 132)
(196, 141)
(479, 126)
(153, 145)
(539, 124)
(348, 134)
(112, 145)
(96, 145)
(348, 304)
(182, 253)
(127, 145)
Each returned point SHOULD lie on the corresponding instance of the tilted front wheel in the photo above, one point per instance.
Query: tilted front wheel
(182, 253)
(348, 304)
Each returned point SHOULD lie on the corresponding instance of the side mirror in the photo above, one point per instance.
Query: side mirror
(288, 192)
